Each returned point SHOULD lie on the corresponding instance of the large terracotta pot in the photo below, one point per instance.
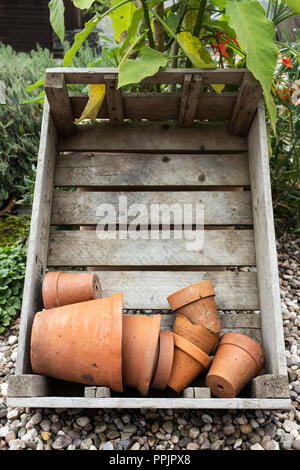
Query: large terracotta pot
(197, 303)
(238, 359)
(80, 342)
(200, 336)
(189, 361)
(140, 350)
(165, 360)
(63, 288)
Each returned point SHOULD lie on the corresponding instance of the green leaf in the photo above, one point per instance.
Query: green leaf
(57, 20)
(147, 64)
(83, 4)
(194, 50)
(256, 35)
(121, 18)
(294, 6)
(221, 4)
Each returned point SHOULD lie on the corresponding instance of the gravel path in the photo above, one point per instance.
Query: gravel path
(46, 429)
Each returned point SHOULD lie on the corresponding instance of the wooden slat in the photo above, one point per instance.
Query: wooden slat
(189, 99)
(220, 208)
(113, 99)
(38, 239)
(266, 254)
(130, 403)
(61, 111)
(149, 289)
(162, 106)
(96, 75)
(107, 170)
(83, 248)
(153, 137)
(246, 105)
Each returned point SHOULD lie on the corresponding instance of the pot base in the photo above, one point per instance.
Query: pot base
(220, 387)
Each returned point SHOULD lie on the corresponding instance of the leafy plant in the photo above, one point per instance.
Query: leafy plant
(12, 272)
(206, 33)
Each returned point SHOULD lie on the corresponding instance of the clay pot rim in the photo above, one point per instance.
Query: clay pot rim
(229, 339)
(192, 350)
(193, 292)
(116, 380)
(165, 361)
(197, 326)
(53, 290)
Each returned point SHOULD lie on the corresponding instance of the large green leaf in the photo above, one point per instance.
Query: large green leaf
(194, 50)
(294, 6)
(147, 64)
(121, 18)
(57, 20)
(256, 35)
(83, 4)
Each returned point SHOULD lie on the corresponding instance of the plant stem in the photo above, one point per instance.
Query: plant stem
(148, 24)
(199, 20)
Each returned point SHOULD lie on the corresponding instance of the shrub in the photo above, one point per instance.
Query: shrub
(12, 272)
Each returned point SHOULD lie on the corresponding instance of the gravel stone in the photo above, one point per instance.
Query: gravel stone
(296, 444)
(194, 433)
(83, 421)
(17, 444)
(256, 447)
(62, 442)
(246, 428)
(286, 441)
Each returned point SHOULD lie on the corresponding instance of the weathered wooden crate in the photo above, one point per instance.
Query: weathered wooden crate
(182, 147)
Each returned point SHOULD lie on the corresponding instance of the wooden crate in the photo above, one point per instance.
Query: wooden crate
(183, 147)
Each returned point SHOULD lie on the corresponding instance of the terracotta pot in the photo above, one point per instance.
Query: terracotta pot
(81, 342)
(238, 359)
(140, 350)
(200, 336)
(197, 303)
(165, 360)
(64, 288)
(189, 361)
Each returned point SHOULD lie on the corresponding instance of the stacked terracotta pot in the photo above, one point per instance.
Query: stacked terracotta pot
(238, 358)
(84, 338)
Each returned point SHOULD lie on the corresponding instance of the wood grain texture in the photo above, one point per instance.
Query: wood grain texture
(189, 99)
(59, 101)
(150, 289)
(266, 254)
(38, 239)
(162, 106)
(220, 207)
(108, 170)
(83, 248)
(114, 100)
(133, 403)
(246, 105)
(167, 76)
(154, 138)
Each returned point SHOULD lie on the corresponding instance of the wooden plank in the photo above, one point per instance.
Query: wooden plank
(133, 403)
(96, 75)
(151, 170)
(113, 99)
(266, 254)
(84, 248)
(58, 98)
(234, 291)
(29, 385)
(220, 207)
(154, 138)
(38, 239)
(189, 99)
(162, 106)
(246, 105)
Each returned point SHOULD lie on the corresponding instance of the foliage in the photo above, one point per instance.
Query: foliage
(14, 229)
(284, 161)
(12, 272)
(240, 32)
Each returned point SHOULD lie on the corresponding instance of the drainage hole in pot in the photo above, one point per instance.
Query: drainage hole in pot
(220, 387)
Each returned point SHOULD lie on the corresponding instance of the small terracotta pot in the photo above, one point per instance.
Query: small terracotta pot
(200, 336)
(165, 360)
(140, 350)
(64, 288)
(238, 359)
(197, 303)
(80, 342)
(189, 361)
